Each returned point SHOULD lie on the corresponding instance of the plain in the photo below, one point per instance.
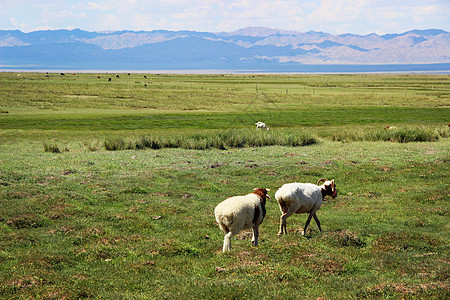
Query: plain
(80, 221)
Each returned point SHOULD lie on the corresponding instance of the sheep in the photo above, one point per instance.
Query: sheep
(261, 125)
(241, 212)
(303, 198)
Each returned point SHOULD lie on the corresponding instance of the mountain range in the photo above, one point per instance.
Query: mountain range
(251, 48)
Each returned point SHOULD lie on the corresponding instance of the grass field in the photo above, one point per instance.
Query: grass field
(88, 222)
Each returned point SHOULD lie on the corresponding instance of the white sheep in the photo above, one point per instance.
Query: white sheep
(261, 125)
(303, 198)
(241, 212)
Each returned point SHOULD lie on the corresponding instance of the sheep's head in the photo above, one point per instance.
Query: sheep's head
(263, 193)
(329, 188)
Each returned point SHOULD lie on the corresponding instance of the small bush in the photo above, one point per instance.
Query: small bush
(91, 145)
(51, 147)
(114, 144)
(148, 142)
(443, 132)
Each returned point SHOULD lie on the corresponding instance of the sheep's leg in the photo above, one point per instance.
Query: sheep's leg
(283, 221)
(282, 225)
(227, 242)
(255, 235)
(317, 221)
(307, 223)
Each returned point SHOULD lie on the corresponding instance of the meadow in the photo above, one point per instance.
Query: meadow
(107, 189)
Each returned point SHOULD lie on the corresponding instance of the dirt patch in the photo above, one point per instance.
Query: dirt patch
(80, 96)
(216, 165)
(251, 166)
(401, 241)
(327, 266)
(386, 169)
(405, 288)
(345, 238)
(26, 221)
(244, 235)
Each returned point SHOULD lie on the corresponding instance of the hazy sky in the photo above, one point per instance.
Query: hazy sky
(332, 16)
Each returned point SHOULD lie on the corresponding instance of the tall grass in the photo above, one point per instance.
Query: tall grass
(235, 138)
(54, 148)
(399, 135)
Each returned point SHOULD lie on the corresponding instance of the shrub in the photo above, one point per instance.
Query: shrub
(114, 144)
(51, 147)
(149, 142)
(91, 145)
(443, 132)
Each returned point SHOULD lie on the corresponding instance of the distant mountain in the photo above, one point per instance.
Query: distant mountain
(251, 48)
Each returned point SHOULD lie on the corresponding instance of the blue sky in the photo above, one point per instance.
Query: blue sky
(332, 16)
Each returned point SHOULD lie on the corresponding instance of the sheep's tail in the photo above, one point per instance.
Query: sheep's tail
(280, 199)
(225, 220)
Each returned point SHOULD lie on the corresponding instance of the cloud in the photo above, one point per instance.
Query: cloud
(101, 6)
(334, 16)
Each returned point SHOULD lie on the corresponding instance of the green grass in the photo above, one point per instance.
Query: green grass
(234, 138)
(400, 135)
(138, 223)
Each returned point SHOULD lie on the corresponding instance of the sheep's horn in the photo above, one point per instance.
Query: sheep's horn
(321, 180)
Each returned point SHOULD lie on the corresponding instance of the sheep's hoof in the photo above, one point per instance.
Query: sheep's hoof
(279, 233)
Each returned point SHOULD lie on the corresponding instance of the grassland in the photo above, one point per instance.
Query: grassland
(93, 223)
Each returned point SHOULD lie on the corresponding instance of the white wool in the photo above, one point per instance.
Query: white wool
(237, 213)
(261, 125)
(302, 198)
(307, 195)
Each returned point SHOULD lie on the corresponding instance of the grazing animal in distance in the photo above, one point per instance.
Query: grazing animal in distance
(241, 212)
(261, 125)
(303, 198)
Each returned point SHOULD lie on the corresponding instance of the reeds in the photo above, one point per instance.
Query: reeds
(399, 135)
(234, 138)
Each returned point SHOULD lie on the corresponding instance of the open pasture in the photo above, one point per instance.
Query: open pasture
(88, 222)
